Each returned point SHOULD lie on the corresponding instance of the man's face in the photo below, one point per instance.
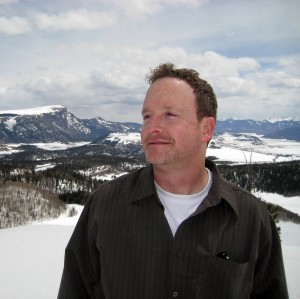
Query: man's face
(171, 132)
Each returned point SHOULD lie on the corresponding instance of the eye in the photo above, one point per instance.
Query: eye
(146, 116)
(171, 114)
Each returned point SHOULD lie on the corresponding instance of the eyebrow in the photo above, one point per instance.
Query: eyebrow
(166, 107)
(144, 110)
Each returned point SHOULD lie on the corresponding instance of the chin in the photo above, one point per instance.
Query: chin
(156, 160)
(160, 160)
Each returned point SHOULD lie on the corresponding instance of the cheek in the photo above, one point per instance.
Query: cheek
(143, 135)
(190, 137)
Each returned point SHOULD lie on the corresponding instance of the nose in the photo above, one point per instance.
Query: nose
(153, 124)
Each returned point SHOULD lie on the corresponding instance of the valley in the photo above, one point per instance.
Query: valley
(51, 149)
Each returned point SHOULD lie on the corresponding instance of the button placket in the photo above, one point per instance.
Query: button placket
(176, 265)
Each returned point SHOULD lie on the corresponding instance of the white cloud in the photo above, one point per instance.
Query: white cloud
(247, 50)
(66, 86)
(279, 79)
(107, 70)
(42, 85)
(291, 65)
(112, 81)
(8, 1)
(14, 25)
(80, 19)
(136, 9)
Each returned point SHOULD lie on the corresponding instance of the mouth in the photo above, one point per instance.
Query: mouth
(157, 142)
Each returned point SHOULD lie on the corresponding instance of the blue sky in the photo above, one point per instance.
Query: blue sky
(92, 56)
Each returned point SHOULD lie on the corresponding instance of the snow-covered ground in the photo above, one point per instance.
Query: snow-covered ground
(246, 148)
(237, 148)
(124, 138)
(33, 111)
(11, 148)
(290, 203)
(32, 256)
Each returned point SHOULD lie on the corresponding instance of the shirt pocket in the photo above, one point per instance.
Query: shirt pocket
(220, 278)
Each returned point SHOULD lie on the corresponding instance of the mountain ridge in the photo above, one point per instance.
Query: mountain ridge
(56, 124)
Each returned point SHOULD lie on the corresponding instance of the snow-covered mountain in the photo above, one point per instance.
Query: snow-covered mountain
(55, 124)
(52, 131)
(286, 128)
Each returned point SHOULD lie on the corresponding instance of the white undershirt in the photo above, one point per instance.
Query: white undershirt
(179, 207)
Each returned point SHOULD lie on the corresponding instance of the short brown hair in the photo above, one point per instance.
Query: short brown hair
(205, 97)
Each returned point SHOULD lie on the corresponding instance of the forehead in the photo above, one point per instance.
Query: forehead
(170, 91)
(169, 85)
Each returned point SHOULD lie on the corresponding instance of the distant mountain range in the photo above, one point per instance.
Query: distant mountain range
(56, 124)
(275, 129)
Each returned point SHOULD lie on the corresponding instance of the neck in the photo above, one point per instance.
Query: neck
(186, 180)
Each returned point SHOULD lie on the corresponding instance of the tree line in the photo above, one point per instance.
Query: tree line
(73, 180)
(281, 178)
(21, 203)
(69, 179)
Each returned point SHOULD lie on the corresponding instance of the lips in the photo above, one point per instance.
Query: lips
(157, 141)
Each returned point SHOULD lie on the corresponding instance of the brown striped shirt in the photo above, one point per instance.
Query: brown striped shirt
(123, 248)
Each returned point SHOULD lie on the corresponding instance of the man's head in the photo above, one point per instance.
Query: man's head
(176, 128)
(205, 97)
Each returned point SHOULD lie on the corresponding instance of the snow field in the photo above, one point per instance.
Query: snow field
(32, 256)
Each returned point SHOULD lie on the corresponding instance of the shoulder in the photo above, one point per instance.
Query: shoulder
(122, 187)
(247, 204)
(125, 181)
(111, 201)
(242, 201)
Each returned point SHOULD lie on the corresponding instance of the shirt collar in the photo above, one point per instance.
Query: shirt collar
(144, 185)
(220, 189)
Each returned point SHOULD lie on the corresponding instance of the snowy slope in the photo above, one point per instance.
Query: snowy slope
(32, 256)
(33, 111)
(242, 148)
(236, 148)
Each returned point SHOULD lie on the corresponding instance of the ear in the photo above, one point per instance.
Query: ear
(208, 125)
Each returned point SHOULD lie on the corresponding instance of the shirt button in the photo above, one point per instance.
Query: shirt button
(175, 294)
(179, 253)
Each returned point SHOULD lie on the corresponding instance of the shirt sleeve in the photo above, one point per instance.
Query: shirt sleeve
(81, 273)
(269, 276)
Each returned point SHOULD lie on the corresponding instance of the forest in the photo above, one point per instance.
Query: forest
(22, 203)
(281, 178)
(38, 194)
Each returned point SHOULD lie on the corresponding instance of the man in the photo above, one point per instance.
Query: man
(176, 228)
